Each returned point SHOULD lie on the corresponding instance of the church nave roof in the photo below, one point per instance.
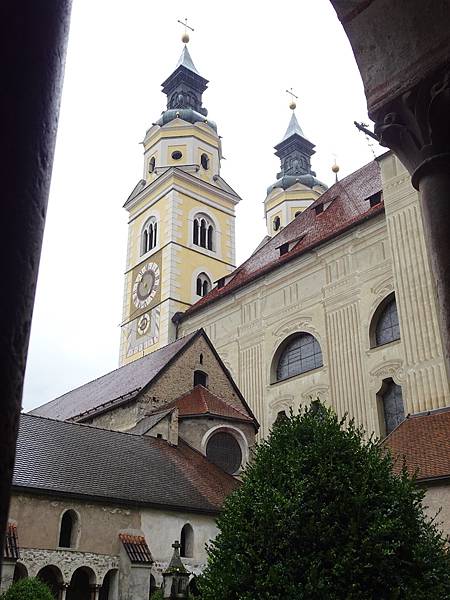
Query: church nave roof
(346, 205)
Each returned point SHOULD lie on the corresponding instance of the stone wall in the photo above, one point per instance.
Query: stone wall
(178, 379)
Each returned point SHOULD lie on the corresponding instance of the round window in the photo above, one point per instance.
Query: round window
(176, 155)
(205, 161)
(224, 451)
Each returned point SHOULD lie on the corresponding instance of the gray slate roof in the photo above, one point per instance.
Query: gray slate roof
(65, 458)
(185, 60)
(293, 128)
(123, 383)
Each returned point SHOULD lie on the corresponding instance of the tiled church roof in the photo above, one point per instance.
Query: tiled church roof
(70, 459)
(200, 401)
(11, 544)
(348, 206)
(118, 386)
(424, 441)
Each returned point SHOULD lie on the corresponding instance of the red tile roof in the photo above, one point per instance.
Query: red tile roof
(11, 547)
(348, 207)
(424, 441)
(136, 548)
(200, 401)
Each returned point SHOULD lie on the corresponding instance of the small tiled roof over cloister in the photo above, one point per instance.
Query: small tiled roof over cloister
(340, 208)
(423, 440)
(70, 459)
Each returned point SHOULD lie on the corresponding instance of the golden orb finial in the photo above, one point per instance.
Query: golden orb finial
(292, 103)
(185, 36)
(335, 169)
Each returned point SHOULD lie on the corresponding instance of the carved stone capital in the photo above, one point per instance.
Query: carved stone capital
(416, 125)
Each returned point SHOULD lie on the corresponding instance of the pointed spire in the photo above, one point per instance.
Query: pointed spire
(293, 128)
(185, 60)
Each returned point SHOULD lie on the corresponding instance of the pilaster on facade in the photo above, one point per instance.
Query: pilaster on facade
(425, 376)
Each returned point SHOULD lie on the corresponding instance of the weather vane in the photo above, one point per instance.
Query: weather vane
(185, 36)
(292, 103)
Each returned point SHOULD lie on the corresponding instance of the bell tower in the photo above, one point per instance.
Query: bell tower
(181, 217)
(296, 187)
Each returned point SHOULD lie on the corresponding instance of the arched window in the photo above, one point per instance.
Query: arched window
(203, 232)
(203, 284)
(204, 159)
(224, 450)
(67, 532)
(392, 405)
(200, 378)
(276, 224)
(149, 235)
(301, 354)
(187, 541)
(385, 327)
(151, 164)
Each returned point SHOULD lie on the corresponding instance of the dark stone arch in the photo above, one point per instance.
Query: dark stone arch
(52, 576)
(20, 572)
(81, 584)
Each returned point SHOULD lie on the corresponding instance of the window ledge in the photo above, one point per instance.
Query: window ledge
(148, 254)
(393, 343)
(305, 373)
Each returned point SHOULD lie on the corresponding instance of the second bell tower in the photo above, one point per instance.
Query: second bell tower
(181, 217)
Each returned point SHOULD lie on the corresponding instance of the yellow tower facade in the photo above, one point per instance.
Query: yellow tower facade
(296, 187)
(181, 225)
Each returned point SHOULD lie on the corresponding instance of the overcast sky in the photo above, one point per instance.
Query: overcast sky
(119, 53)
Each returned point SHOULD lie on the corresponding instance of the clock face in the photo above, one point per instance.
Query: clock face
(146, 285)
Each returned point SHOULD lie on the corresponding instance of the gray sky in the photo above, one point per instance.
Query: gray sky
(119, 53)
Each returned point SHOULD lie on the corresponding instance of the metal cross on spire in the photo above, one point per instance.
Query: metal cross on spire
(292, 103)
(185, 36)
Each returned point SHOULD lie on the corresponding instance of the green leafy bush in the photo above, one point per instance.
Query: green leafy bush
(157, 595)
(30, 588)
(321, 515)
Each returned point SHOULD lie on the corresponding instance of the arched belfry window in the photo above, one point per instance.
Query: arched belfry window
(149, 235)
(187, 541)
(302, 353)
(203, 284)
(392, 405)
(385, 326)
(203, 231)
(68, 529)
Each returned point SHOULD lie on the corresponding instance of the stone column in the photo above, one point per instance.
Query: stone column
(416, 126)
(63, 591)
(95, 591)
